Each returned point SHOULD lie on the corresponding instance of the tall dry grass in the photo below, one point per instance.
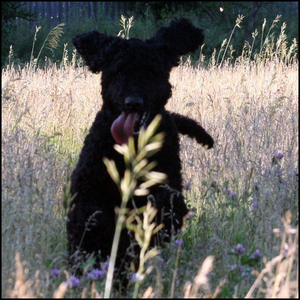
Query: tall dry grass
(251, 110)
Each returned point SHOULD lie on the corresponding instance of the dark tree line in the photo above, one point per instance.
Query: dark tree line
(217, 18)
(220, 12)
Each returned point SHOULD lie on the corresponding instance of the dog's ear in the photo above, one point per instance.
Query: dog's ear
(96, 49)
(179, 38)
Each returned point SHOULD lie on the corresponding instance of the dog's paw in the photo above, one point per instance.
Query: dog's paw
(206, 140)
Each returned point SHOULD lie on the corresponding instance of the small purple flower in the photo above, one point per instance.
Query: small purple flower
(233, 195)
(256, 254)
(280, 90)
(191, 215)
(96, 274)
(279, 155)
(237, 267)
(255, 205)
(277, 171)
(55, 272)
(200, 245)
(105, 266)
(268, 171)
(227, 191)
(179, 230)
(238, 249)
(285, 249)
(179, 243)
(73, 281)
(137, 277)
(187, 186)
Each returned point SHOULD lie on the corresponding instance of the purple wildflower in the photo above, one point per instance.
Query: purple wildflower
(279, 90)
(191, 215)
(137, 277)
(73, 281)
(227, 191)
(277, 171)
(285, 249)
(256, 254)
(238, 249)
(105, 266)
(96, 274)
(187, 186)
(55, 272)
(279, 155)
(255, 205)
(233, 195)
(200, 245)
(179, 243)
(237, 267)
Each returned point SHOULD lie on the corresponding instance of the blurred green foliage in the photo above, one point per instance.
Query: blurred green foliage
(216, 18)
(9, 12)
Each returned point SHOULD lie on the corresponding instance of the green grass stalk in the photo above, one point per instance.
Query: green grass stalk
(137, 168)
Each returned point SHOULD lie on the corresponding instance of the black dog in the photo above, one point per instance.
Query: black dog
(135, 88)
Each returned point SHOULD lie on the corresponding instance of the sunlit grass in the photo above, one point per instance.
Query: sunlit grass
(240, 192)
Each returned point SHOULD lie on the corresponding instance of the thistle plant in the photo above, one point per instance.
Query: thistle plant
(276, 280)
(137, 169)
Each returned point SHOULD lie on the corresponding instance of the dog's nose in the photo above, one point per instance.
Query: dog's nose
(134, 103)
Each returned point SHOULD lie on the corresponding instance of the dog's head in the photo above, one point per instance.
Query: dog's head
(135, 73)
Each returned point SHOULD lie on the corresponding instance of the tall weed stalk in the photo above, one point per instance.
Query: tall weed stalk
(237, 24)
(266, 41)
(50, 42)
(126, 25)
(137, 169)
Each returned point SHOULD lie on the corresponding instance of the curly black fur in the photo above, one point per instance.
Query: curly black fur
(135, 79)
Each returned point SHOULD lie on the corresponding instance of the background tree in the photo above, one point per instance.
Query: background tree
(9, 12)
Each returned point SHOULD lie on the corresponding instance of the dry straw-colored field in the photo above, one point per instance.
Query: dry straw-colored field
(239, 191)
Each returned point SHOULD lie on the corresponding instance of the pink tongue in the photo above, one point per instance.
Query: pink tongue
(123, 127)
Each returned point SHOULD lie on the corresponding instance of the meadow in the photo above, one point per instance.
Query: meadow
(242, 237)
